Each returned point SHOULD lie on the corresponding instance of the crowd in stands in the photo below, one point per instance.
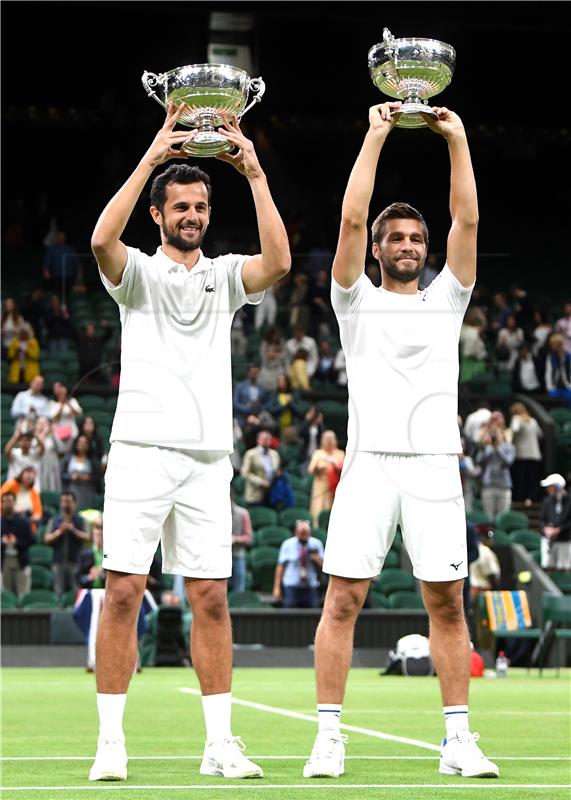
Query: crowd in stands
(60, 350)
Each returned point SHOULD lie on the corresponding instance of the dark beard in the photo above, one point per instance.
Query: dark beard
(179, 243)
(403, 275)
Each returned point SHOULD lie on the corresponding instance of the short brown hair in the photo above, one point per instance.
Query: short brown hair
(396, 211)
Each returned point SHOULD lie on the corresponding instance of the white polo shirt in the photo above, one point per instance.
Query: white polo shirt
(176, 383)
(402, 364)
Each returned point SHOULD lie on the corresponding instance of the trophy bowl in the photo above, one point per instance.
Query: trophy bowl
(411, 70)
(211, 92)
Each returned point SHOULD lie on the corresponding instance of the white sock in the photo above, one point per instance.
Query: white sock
(111, 708)
(329, 715)
(217, 710)
(456, 718)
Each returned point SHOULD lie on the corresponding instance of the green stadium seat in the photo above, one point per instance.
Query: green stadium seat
(238, 484)
(288, 516)
(377, 600)
(8, 599)
(41, 598)
(323, 519)
(512, 520)
(477, 517)
(101, 416)
(560, 415)
(392, 560)
(298, 483)
(501, 537)
(68, 598)
(289, 454)
(405, 599)
(50, 498)
(272, 535)
(320, 533)
(395, 580)
(89, 402)
(562, 580)
(529, 539)
(42, 577)
(302, 499)
(263, 562)
(246, 599)
(260, 516)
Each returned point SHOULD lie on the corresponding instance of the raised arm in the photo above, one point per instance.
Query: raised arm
(263, 270)
(108, 249)
(461, 251)
(351, 252)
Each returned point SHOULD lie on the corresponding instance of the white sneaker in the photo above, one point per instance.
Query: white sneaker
(110, 761)
(327, 759)
(225, 758)
(462, 756)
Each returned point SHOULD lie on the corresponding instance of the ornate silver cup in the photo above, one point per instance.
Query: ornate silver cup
(412, 70)
(211, 91)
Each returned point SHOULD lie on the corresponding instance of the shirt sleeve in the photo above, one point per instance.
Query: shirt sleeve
(132, 279)
(238, 296)
(446, 285)
(283, 555)
(346, 301)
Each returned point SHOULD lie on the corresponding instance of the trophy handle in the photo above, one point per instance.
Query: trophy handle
(256, 85)
(151, 80)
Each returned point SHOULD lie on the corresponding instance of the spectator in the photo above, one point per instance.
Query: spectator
(296, 579)
(302, 355)
(49, 467)
(88, 427)
(299, 301)
(321, 311)
(66, 534)
(526, 467)
(249, 396)
(16, 538)
(325, 465)
(90, 573)
(472, 348)
(558, 368)
(90, 348)
(555, 523)
(24, 450)
(542, 329)
(272, 358)
(526, 375)
(59, 329)
(61, 263)
(326, 371)
(241, 539)
(475, 422)
(501, 311)
(563, 326)
(238, 338)
(485, 571)
(310, 431)
(470, 477)
(429, 272)
(80, 473)
(27, 502)
(64, 412)
(24, 356)
(35, 311)
(496, 455)
(12, 321)
(259, 468)
(510, 338)
(266, 312)
(31, 402)
(522, 309)
(283, 403)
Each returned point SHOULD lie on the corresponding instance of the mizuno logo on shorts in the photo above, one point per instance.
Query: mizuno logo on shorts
(456, 565)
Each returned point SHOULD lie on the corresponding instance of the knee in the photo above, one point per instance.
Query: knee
(208, 600)
(445, 606)
(343, 606)
(122, 598)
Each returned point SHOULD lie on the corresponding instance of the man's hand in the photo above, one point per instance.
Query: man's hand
(381, 117)
(245, 160)
(162, 149)
(448, 123)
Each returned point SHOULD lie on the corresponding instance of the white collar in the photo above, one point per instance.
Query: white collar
(202, 265)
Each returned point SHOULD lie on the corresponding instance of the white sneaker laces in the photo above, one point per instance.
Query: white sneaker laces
(325, 745)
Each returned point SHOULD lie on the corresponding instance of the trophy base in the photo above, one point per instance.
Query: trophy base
(206, 144)
(409, 115)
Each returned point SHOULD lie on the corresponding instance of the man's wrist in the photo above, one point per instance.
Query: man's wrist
(257, 178)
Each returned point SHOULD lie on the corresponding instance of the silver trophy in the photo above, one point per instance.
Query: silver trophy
(211, 92)
(412, 70)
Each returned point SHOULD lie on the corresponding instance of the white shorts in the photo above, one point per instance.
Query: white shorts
(377, 492)
(179, 497)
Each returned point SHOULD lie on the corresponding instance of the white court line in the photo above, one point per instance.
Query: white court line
(261, 787)
(296, 715)
(280, 758)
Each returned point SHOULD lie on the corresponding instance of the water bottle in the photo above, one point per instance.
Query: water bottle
(501, 665)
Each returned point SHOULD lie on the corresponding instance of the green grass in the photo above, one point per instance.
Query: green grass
(51, 712)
